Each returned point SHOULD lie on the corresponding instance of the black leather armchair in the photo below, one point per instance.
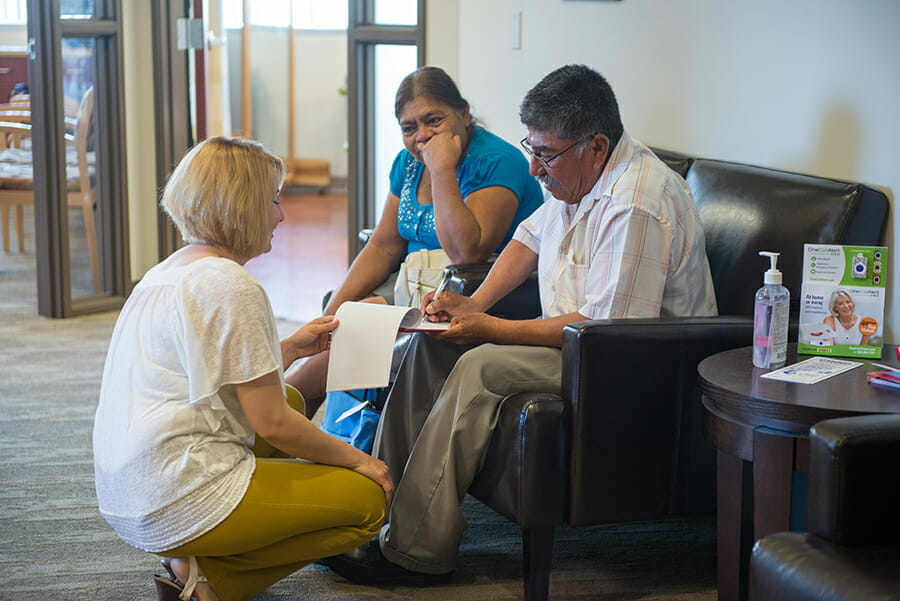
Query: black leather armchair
(624, 441)
(851, 549)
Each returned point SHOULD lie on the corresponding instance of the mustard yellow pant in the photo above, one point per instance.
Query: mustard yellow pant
(292, 514)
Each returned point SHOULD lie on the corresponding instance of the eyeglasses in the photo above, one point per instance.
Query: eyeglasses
(546, 161)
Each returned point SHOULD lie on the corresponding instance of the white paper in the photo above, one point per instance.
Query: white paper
(363, 343)
(812, 370)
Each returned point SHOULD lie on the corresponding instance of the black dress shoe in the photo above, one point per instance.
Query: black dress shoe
(366, 565)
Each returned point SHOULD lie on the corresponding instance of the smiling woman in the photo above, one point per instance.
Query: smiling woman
(844, 320)
(455, 186)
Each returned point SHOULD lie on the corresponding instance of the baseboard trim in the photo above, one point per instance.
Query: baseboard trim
(338, 185)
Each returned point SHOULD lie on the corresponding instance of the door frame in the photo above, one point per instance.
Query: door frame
(363, 34)
(171, 107)
(45, 33)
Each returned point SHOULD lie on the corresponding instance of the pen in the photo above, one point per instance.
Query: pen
(883, 366)
(440, 288)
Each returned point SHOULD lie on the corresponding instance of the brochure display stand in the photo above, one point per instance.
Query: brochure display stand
(842, 300)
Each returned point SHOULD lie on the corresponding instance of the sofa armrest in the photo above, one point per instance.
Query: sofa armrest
(524, 302)
(524, 471)
(465, 278)
(637, 450)
(854, 480)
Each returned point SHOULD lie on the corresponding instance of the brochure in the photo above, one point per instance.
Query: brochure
(842, 300)
(812, 370)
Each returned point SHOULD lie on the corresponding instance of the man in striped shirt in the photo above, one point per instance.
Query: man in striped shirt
(620, 238)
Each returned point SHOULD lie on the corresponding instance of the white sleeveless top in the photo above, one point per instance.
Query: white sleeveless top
(850, 335)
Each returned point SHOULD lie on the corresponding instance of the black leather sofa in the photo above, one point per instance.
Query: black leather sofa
(851, 549)
(623, 442)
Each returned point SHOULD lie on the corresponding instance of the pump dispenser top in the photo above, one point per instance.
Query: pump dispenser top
(772, 276)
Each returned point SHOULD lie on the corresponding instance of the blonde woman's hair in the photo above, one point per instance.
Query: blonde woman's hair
(219, 194)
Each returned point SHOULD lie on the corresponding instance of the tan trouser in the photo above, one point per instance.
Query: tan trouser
(434, 432)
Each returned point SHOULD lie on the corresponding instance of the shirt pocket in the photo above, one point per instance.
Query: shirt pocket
(570, 286)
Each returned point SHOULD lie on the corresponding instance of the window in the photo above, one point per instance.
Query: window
(387, 41)
(308, 14)
(12, 12)
(76, 9)
(396, 12)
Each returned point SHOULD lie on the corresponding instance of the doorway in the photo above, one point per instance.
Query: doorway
(307, 66)
(68, 202)
(280, 78)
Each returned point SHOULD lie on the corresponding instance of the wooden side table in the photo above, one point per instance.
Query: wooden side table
(760, 428)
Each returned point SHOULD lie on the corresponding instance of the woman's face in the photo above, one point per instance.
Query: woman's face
(422, 118)
(276, 216)
(843, 305)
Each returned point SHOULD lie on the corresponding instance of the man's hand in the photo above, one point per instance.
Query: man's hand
(447, 306)
(474, 328)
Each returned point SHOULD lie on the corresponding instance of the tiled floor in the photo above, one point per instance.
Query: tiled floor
(308, 256)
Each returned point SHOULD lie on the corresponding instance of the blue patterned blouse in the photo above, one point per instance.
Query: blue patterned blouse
(489, 161)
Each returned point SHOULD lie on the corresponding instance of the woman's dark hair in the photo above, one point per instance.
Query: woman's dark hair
(432, 83)
(573, 102)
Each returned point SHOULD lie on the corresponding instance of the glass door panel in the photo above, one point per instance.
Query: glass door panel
(80, 197)
(396, 12)
(392, 64)
(76, 9)
(82, 200)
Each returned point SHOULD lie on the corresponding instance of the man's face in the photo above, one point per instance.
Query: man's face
(568, 177)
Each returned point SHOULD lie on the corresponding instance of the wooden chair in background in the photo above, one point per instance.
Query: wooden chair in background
(15, 130)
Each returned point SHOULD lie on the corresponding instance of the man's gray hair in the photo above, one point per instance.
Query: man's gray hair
(573, 102)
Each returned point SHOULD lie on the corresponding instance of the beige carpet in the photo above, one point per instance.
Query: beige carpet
(54, 546)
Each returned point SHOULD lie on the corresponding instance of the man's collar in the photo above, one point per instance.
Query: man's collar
(618, 162)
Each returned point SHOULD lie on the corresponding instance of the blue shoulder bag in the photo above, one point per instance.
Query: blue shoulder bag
(357, 428)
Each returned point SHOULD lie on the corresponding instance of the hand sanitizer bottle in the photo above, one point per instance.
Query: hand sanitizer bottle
(770, 318)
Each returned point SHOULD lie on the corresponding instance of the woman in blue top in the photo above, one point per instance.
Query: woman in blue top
(456, 186)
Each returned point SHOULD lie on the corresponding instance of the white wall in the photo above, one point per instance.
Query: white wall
(140, 139)
(320, 113)
(806, 85)
(442, 36)
(13, 35)
(321, 68)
